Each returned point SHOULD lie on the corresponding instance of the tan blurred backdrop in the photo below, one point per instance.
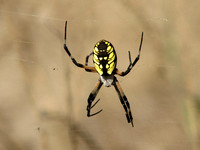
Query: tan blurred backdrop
(43, 96)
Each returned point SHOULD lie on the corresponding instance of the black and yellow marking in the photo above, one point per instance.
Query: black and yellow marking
(105, 61)
(105, 58)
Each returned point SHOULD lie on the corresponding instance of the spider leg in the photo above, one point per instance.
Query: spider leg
(87, 68)
(124, 101)
(87, 58)
(132, 64)
(91, 98)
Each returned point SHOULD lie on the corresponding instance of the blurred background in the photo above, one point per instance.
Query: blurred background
(43, 95)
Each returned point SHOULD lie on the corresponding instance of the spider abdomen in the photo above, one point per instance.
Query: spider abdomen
(105, 58)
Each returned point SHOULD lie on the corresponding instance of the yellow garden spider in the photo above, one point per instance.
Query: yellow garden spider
(105, 61)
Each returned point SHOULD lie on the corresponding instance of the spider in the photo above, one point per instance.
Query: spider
(105, 61)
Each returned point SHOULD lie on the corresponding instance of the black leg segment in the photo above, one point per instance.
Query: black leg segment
(132, 64)
(123, 101)
(87, 68)
(91, 98)
(87, 58)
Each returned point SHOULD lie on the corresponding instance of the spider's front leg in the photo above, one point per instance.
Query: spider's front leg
(124, 101)
(92, 97)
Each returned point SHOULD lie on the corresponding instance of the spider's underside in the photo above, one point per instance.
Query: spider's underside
(105, 61)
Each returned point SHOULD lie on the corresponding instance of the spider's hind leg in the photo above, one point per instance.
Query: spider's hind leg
(87, 58)
(132, 64)
(92, 97)
(87, 68)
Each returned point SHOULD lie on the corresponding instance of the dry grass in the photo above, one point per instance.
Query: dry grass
(43, 96)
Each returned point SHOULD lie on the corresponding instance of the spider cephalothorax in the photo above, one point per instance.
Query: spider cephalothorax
(105, 61)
